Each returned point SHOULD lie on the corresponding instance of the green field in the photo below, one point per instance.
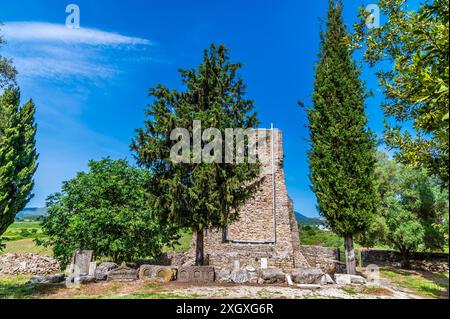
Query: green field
(20, 236)
(23, 230)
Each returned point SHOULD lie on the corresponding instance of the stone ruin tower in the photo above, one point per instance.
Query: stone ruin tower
(266, 233)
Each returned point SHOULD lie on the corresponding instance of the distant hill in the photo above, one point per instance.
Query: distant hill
(32, 212)
(302, 219)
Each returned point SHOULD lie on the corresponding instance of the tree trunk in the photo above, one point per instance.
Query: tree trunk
(199, 256)
(350, 260)
(405, 259)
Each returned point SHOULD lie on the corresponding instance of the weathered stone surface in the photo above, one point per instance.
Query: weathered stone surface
(343, 279)
(325, 258)
(81, 262)
(326, 280)
(163, 273)
(123, 273)
(272, 276)
(435, 262)
(48, 279)
(103, 269)
(223, 275)
(196, 274)
(307, 276)
(358, 280)
(16, 264)
(268, 212)
(289, 280)
(84, 280)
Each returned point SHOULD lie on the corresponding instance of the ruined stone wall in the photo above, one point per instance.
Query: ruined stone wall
(266, 228)
(326, 258)
(419, 260)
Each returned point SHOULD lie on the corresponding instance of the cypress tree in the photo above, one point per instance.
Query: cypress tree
(18, 157)
(342, 156)
(198, 195)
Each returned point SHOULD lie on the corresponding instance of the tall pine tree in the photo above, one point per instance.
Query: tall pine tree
(198, 195)
(18, 157)
(342, 156)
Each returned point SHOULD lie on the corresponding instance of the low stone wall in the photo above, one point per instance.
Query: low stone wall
(421, 260)
(321, 257)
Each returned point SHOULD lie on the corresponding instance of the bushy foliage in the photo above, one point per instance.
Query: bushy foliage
(415, 79)
(106, 210)
(414, 210)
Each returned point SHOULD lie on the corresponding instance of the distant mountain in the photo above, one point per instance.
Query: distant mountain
(31, 212)
(302, 219)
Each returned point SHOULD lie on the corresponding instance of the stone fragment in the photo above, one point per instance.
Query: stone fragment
(123, 273)
(103, 269)
(289, 280)
(272, 276)
(84, 280)
(343, 279)
(48, 279)
(81, 262)
(307, 276)
(196, 274)
(223, 275)
(155, 272)
(239, 277)
(358, 280)
(326, 280)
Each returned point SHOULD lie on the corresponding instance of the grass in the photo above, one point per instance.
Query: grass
(184, 243)
(19, 238)
(24, 246)
(15, 287)
(424, 284)
(23, 230)
(267, 294)
(168, 295)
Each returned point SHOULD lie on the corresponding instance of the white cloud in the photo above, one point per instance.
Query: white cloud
(49, 32)
(55, 52)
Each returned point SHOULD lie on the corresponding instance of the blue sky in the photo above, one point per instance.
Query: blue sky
(90, 85)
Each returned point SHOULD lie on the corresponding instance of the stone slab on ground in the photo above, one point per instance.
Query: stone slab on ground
(307, 276)
(272, 276)
(345, 279)
(156, 272)
(47, 279)
(101, 273)
(84, 280)
(342, 279)
(326, 280)
(196, 274)
(123, 273)
(358, 280)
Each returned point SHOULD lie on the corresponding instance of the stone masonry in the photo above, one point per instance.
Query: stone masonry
(266, 233)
